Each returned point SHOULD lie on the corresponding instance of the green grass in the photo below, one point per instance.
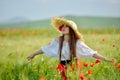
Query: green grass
(16, 45)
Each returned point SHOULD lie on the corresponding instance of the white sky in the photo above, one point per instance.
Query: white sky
(40, 9)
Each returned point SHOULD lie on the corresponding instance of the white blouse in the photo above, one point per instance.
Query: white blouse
(82, 50)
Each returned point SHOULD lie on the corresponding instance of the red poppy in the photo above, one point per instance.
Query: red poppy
(79, 64)
(71, 68)
(82, 76)
(97, 61)
(118, 66)
(89, 72)
(85, 64)
(60, 67)
(92, 64)
(42, 78)
(60, 27)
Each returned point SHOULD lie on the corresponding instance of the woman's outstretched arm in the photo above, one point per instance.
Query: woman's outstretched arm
(30, 57)
(98, 56)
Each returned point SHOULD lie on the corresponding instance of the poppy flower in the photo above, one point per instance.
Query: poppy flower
(118, 66)
(71, 68)
(42, 78)
(60, 27)
(60, 67)
(97, 61)
(79, 64)
(85, 64)
(89, 72)
(92, 64)
(82, 76)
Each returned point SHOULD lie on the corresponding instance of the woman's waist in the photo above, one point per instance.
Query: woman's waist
(65, 62)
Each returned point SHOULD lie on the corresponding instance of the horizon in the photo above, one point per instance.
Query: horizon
(28, 20)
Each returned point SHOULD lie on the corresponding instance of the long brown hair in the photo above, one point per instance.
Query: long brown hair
(73, 37)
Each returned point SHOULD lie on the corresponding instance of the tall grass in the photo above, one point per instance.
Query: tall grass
(16, 45)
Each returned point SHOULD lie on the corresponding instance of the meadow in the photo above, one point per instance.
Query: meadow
(16, 45)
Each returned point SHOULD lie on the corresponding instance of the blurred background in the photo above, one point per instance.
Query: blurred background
(25, 26)
(38, 13)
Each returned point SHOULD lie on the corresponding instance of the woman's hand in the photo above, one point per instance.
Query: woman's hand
(31, 57)
(98, 56)
(34, 54)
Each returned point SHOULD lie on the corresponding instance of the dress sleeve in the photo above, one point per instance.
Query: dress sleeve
(83, 50)
(51, 50)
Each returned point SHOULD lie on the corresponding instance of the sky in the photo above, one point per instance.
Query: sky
(42, 9)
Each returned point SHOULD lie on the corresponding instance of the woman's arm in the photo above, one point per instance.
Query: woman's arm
(98, 56)
(30, 57)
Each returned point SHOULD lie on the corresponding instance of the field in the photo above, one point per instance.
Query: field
(16, 45)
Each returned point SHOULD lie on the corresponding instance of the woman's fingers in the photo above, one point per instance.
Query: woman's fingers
(30, 57)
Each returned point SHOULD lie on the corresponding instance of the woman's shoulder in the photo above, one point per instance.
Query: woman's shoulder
(57, 38)
(80, 41)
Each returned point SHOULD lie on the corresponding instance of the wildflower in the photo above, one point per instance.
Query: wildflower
(82, 76)
(42, 78)
(85, 64)
(89, 72)
(118, 66)
(60, 67)
(71, 68)
(79, 64)
(97, 61)
(92, 64)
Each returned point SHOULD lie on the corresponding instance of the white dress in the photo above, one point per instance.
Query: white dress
(82, 50)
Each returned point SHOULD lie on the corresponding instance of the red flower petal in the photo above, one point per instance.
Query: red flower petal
(97, 61)
(79, 64)
(60, 67)
(42, 78)
(89, 72)
(71, 68)
(85, 64)
(92, 64)
(82, 76)
(118, 66)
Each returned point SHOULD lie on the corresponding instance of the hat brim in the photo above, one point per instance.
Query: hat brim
(57, 22)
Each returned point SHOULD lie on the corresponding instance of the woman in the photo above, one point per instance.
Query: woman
(69, 46)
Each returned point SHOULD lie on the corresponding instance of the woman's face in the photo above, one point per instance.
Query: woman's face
(65, 29)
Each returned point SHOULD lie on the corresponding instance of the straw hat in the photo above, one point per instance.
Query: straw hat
(58, 22)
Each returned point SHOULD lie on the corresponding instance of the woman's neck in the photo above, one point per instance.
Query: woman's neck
(66, 38)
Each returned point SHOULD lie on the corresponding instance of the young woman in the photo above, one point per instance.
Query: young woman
(69, 46)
